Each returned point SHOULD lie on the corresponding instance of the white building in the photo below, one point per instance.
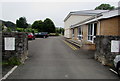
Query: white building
(76, 17)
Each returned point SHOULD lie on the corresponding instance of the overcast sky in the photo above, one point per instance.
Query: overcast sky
(39, 10)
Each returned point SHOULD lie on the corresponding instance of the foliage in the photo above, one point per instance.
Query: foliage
(14, 61)
(46, 26)
(29, 26)
(2, 28)
(60, 30)
(35, 25)
(21, 22)
(38, 25)
(105, 7)
(49, 26)
(31, 30)
(9, 29)
(28, 30)
(53, 34)
(20, 30)
(11, 61)
(57, 34)
(35, 31)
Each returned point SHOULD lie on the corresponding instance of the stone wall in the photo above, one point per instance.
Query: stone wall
(103, 49)
(21, 47)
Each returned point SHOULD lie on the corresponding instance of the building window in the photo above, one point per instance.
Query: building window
(72, 32)
(92, 31)
(80, 33)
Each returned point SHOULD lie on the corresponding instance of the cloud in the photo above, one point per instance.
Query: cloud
(56, 11)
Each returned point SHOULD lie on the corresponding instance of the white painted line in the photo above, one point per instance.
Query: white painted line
(9, 73)
(113, 71)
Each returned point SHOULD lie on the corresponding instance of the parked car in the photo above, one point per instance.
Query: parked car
(117, 64)
(41, 35)
(31, 36)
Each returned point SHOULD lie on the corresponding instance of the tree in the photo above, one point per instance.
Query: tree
(46, 26)
(105, 7)
(60, 30)
(38, 25)
(21, 22)
(40, 28)
(49, 26)
(35, 25)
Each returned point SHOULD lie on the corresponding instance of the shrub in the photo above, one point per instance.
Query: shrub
(14, 61)
(20, 29)
(57, 34)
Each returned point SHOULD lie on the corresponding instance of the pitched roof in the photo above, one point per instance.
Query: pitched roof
(85, 12)
(104, 15)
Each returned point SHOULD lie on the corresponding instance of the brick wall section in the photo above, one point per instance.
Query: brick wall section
(21, 46)
(103, 49)
(76, 34)
(110, 26)
(85, 33)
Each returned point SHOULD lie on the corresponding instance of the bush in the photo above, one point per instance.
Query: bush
(9, 29)
(54, 34)
(27, 30)
(20, 30)
(57, 34)
(14, 61)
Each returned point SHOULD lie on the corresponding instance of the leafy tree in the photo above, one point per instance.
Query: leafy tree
(35, 25)
(60, 30)
(38, 25)
(49, 26)
(29, 26)
(46, 26)
(105, 7)
(21, 22)
(40, 28)
(20, 29)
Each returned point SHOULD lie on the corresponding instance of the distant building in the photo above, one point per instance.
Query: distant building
(102, 23)
(4, 28)
(75, 17)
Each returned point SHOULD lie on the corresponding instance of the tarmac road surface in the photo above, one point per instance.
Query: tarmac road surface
(52, 58)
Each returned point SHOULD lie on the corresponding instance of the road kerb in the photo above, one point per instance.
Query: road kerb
(113, 71)
(5, 77)
(71, 46)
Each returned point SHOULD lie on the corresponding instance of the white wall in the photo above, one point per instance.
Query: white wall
(73, 19)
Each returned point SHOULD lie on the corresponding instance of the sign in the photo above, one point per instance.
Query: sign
(115, 46)
(9, 43)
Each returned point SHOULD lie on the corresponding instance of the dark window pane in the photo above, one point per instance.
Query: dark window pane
(90, 37)
(91, 28)
(95, 29)
(80, 31)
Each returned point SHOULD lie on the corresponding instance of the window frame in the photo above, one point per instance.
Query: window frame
(80, 35)
(93, 32)
(73, 33)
